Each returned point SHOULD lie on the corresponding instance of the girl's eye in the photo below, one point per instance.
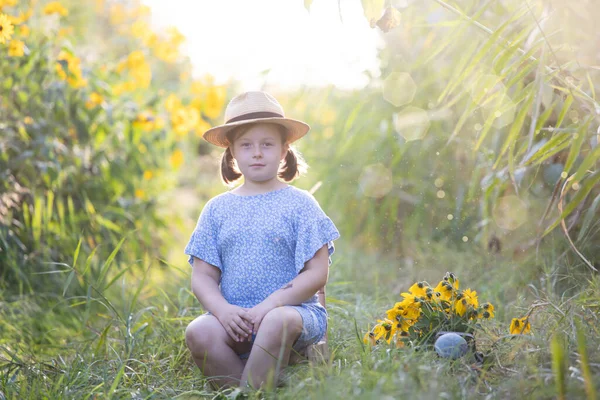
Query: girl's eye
(245, 144)
(268, 144)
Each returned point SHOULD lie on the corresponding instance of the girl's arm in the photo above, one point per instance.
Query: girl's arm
(205, 285)
(312, 278)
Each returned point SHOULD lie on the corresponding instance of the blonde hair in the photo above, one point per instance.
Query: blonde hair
(293, 166)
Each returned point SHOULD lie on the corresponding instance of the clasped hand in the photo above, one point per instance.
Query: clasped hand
(240, 323)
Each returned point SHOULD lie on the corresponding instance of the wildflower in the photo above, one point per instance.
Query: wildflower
(148, 175)
(202, 127)
(445, 290)
(176, 159)
(6, 28)
(16, 48)
(139, 193)
(28, 120)
(520, 326)
(24, 31)
(215, 99)
(369, 338)
(68, 62)
(452, 279)
(418, 289)
(21, 18)
(172, 103)
(95, 100)
(55, 7)
(486, 311)
(383, 329)
(144, 120)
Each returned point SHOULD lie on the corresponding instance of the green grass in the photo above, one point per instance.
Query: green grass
(133, 346)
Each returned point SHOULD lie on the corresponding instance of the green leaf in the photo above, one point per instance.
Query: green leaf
(108, 224)
(590, 216)
(559, 364)
(565, 109)
(515, 129)
(68, 282)
(581, 194)
(556, 144)
(107, 263)
(588, 378)
(576, 147)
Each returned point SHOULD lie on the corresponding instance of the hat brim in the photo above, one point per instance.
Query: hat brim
(296, 129)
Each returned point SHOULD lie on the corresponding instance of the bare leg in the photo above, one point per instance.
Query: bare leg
(278, 331)
(214, 351)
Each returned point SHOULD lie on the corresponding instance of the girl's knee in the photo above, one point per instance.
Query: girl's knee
(282, 319)
(201, 334)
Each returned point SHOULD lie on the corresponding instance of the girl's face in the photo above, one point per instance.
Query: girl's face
(259, 151)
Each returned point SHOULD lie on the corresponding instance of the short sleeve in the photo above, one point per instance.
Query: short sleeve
(314, 229)
(203, 243)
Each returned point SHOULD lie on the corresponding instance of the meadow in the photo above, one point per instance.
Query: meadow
(474, 152)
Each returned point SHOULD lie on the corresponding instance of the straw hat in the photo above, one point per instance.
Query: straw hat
(252, 107)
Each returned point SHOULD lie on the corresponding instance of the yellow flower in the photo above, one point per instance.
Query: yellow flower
(215, 100)
(8, 3)
(486, 311)
(16, 48)
(520, 326)
(445, 290)
(139, 193)
(64, 32)
(172, 103)
(411, 306)
(369, 338)
(175, 37)
(140, 29)
(6, 28)
(166, 52)
(452, 279)
(176, 159)
(401, 339)
(24, 31)
(148, 175)
(471, 297)
(73, 67)
(55, 7)
(21, 18)
(123, 87)
(202, 127)
(94, 100)
(117, 14)
(418, 289)
(142, 75)
(28, 120)
(383, 329)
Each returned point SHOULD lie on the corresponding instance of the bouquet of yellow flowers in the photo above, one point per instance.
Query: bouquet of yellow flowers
(428, 311)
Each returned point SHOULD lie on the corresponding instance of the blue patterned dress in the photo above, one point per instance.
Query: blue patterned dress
(260, 243)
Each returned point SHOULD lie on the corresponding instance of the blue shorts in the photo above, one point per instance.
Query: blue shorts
(314, 327)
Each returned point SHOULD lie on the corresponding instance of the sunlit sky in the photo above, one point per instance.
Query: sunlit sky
(241, 39)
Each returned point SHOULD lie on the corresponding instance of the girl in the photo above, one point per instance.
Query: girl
(259, 252)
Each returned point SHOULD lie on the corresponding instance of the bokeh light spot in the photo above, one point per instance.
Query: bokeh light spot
(576, 186)
(510, 212)
(441, 194)
(412, 123)
(375, 180)
(465, 239)
(450, 217)
(399, 88)
(439, 182)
